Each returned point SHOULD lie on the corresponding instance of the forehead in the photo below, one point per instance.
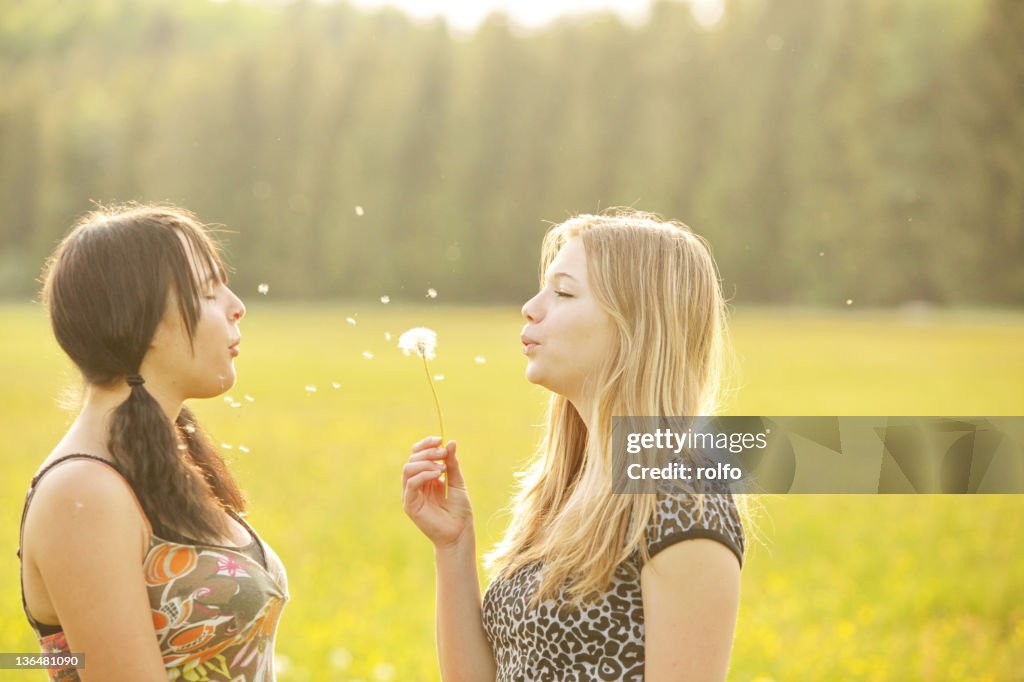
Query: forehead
(570, 259)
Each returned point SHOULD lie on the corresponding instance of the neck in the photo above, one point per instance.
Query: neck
(100, 403)
(585, 408)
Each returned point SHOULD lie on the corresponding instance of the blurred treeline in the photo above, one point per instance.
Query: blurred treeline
(870, 150)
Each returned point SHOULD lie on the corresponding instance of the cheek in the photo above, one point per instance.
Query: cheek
(598, 329)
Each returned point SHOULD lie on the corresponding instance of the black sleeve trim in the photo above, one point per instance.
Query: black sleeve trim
(693, 534)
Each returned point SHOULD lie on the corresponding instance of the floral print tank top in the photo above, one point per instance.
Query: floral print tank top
(215, 609)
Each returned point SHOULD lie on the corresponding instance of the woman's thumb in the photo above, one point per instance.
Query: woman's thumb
(453, 469)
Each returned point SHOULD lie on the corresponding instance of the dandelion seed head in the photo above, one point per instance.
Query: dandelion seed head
(385, 299)
(419, 340)
(263, 289)
(431, 292)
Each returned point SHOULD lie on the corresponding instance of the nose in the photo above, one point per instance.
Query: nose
(237, 309)
(532, 309)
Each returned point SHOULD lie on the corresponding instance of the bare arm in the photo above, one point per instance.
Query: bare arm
(462, 647)
(691, 594)
(85, 536)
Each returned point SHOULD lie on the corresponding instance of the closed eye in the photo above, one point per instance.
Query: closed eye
(563, 294)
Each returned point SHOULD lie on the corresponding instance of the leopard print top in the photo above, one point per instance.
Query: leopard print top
(604, 640)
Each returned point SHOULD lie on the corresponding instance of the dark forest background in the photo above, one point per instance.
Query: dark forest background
(870, 150)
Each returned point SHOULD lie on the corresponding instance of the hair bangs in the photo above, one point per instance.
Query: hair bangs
(197, 267)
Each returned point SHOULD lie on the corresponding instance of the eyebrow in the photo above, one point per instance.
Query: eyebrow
(565, 275)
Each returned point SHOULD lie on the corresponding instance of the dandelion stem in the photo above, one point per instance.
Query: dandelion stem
(437, 405)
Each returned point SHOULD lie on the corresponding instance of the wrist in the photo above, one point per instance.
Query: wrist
(462, 546)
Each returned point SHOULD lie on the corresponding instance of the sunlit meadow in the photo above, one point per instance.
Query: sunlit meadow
(325, 409)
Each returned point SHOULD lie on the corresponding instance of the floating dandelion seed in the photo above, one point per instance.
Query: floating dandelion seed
(226, 446)
(423, 342)
(335, 384)
(385, 299)
(263, 289)
(228, 399)
(431, 292)
(351, 321)
(311, 389)
(236, 404)
(821, 253)
(243, 448)
(849, 301)
(250, 398)
(438, 377)
(387, 336)
(368, 355)
(360, 211)
(480, 360)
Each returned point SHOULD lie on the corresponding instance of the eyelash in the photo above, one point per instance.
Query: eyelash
(562, 294)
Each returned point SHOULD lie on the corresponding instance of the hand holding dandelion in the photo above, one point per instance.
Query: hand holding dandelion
(423, 341)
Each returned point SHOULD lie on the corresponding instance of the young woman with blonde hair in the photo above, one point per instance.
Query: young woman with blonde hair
(133, 547)
(591, 585)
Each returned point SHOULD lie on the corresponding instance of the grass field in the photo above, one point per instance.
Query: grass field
(845, 587)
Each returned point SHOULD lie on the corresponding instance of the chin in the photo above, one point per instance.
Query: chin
(220, 385)
(539, 379)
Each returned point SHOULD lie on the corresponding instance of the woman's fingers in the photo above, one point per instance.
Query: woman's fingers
(413, 468)
(429, 442)
(414, 484)
(428, 454)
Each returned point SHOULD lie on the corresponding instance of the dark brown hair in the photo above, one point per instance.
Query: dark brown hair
(106, 287)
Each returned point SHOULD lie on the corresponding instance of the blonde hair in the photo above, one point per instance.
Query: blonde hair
(658, 282)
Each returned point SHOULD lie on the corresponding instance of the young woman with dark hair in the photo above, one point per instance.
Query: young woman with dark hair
(133, 546)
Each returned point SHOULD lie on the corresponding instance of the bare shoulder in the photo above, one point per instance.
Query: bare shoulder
(82, 501)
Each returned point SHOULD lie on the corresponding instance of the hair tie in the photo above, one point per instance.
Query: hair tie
(134, 380)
